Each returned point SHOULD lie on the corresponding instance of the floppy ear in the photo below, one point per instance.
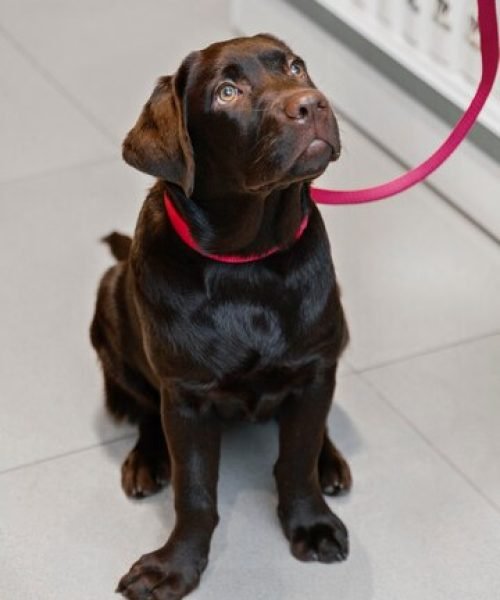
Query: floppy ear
(159, 143)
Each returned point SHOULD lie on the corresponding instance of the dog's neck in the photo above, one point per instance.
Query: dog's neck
(244, 223)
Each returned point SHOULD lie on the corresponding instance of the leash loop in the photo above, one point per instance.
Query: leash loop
(488, 28)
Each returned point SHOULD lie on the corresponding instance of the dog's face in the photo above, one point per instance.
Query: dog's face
(243, 111)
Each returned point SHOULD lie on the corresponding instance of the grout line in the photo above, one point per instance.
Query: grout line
(444, 457)
(55, 457)
(58, 87)
(60, 170)
(427, 352)
(430, 186)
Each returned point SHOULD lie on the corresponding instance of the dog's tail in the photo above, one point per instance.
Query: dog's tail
(119, 244)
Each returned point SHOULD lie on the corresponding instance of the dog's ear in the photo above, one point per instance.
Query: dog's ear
(159, 143)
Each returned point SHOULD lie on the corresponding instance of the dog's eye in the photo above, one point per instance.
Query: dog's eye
(227, 93)
(296, 68)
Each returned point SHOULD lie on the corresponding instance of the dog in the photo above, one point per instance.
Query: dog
(225, 304)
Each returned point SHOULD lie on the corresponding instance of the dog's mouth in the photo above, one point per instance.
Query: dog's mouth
(314, 159)
(309, 161)
(318, 151)
(309, 164)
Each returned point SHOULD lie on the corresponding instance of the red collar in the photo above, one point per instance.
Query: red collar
(182, 229)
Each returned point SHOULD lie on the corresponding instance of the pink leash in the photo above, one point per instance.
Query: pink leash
(489, 52)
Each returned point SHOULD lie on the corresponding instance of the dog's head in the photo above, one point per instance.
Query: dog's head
(243, 112)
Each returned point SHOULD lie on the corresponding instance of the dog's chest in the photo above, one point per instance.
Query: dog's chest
(259, 350)
(239, 335)
(245, 339)
(257, 396)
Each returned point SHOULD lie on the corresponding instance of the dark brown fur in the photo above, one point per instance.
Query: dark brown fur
(186, 341)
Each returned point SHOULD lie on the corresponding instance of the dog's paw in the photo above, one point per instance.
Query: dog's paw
(325, 542)
(144, 475)
(334, 473)
(155, 577)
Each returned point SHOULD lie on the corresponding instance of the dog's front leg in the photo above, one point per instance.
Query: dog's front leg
(314, 532)
(194, 444)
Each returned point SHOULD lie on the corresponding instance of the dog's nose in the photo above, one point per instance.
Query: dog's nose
(302, 105)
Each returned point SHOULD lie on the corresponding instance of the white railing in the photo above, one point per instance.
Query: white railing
(437, 40)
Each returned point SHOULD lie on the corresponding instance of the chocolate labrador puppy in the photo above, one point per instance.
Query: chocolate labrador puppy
(225, 303)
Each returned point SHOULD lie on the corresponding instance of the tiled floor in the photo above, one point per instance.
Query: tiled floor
(418, 405)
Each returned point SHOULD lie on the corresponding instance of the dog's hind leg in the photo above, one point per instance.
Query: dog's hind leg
(130, 395)
(334, 472)
(146, 469)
